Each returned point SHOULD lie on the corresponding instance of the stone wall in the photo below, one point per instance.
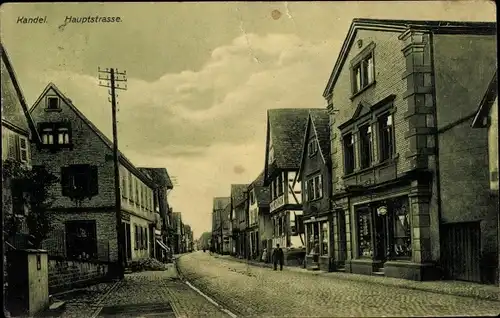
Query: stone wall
(68, 274)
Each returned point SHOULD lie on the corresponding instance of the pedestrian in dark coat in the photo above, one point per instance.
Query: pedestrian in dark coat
(278, 257)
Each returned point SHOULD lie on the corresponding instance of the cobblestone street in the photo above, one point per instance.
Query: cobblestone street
(152, 293)
(254, 291)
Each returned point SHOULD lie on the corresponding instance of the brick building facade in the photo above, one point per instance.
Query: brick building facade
(81, 156)
(394, 89)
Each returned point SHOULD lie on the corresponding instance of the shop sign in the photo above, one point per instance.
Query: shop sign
(382, 210)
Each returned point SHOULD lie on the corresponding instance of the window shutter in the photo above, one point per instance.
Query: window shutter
(94, 181)
(12, 146)
(136, 237)
(65, 181)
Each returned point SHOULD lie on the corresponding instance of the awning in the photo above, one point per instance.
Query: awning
(163, 245)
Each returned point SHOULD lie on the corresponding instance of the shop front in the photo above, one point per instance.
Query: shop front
(387, 242)
(319, 242)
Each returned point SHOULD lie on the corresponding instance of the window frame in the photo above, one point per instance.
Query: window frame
(392, 151)
(314, 186)
(312, 147)
(358, 63)
(352, 144)
(363, 156)
(47, 103)
(52, 131)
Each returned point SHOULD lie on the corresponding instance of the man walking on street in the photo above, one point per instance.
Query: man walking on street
(278, 256)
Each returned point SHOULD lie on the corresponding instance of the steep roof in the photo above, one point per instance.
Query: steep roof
(221, 202)
(238, 193)
(285, 130)
(318, 125)
(262, 193)
(447, 27)
(159, 176)
(19, 96)
(488, 100)
(123, 160)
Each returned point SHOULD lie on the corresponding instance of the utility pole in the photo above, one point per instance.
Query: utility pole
(111, 78)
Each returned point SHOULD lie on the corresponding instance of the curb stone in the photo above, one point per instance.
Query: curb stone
(493, 295)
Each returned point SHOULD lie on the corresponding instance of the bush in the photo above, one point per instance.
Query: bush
(147, 264)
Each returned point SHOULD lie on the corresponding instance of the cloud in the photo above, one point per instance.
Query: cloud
(207, 127)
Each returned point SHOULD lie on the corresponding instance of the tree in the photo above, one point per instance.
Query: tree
(34, 184)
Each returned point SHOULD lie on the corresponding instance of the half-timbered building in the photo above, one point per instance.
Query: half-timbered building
(285, 133)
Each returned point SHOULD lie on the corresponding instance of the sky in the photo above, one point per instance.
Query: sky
(200, 75)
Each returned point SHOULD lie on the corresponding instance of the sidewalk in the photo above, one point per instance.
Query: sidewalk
(139, 294)
(449, 287)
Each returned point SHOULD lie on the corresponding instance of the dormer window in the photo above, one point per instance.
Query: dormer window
(312, 148)
(53, 103)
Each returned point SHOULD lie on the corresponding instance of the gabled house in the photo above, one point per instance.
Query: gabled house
(19, 135)
(221, 225)
(76, 151)
(260, 227)
(401, 96)
(285, 134)
(178, 230)
(238, 218)
(162, 225)
(320, 219)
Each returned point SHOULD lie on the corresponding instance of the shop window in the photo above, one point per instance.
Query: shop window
(324, 238)
(402, 229)
(365, 247)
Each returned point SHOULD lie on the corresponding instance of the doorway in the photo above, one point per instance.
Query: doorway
(342, 238)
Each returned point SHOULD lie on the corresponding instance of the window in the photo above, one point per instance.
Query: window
(252, 197)
(52, 103)
(130, 186)
(63, 136)
(56, 134)
(79, 181)
(280, 184)
(312, 147)
(81, 239)
(402, 229)
(23, 149)
(363, 73)
(365, 232)
(137, 198)
(365, 134)
(124, 175)
(136, 237)
(386, 133)
(313, 237)
(293, 223)
(18, 147)
(315, 188)
(324, 238)
(18, 198)
(47, 136)
(349, 160)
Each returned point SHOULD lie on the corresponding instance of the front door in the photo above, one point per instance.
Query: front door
(342, 238)
(381, 236)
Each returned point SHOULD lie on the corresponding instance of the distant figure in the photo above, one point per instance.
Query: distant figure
(278, 256)
(264, 255)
